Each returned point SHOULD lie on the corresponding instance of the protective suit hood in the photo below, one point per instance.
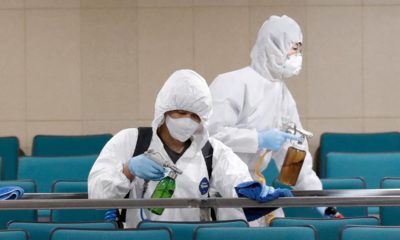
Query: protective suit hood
(275, 38)
(185, 90)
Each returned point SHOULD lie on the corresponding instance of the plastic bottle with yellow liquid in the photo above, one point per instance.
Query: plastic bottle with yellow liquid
(295, 154)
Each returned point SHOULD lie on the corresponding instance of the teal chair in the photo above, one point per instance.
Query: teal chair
(329, 184)
(347, 184)
(356, 143)
(184, 230)
(271, 172)
(1, 168)
(46, 170)
(57, 145)
(390, 216)
(370, 166)
(120, 234)
(327, 229)
(275, 233)
(14, 234)
(74, 215)
(308, 212)
(370, 233)
(9, 148)
(22, 215)
(42, 230)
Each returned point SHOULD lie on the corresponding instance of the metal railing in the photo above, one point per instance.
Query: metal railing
(371, 197)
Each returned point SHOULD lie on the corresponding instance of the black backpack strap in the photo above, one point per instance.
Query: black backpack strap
(208, 151)
(143, 141)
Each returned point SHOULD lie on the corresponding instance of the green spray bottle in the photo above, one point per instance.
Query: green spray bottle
(166, 187)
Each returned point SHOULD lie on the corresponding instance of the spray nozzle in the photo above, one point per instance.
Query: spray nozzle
(290, 127)
(158, 158)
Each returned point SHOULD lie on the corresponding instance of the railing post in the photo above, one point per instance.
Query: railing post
(205, 214)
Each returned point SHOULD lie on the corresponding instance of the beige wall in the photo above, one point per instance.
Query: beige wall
(94, 66)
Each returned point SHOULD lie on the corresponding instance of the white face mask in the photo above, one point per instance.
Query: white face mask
(181, 128)
(292, 66)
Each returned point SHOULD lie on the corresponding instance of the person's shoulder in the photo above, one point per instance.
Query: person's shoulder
(126, 134)
(235, 74)
(243, 76)
(235, 80)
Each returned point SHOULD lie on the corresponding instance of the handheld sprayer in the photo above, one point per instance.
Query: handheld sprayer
(166, 187)
(295, 154)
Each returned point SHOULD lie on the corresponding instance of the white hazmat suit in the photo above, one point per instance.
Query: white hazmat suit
(185, 90)
(255, 98)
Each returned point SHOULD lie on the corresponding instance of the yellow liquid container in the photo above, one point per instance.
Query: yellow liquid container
(292, 165)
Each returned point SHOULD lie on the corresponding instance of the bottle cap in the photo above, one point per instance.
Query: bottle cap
(172, 174)
(298, 145)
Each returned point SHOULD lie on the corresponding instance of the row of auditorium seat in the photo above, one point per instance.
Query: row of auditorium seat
(61, 186)
(385, 142)
(48, 146)
(281, 228)
(65, 146)
(388, 215)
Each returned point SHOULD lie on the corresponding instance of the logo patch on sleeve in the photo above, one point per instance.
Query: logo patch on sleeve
(204, 186)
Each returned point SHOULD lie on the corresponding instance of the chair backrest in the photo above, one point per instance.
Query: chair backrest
(9, 147)
(46, 170)
(271, 172)
(327, 229)
(329, 184)
(307, 212)
(184, 230)
(356, 143)
(1, 168)
(275, 233)
(370, 166)
(370, 232)
(390, 215)
(14, 234)
(347, 183)
(120, 234)
(74, 215)
(57, 145)
(21, 215)
(42, 230)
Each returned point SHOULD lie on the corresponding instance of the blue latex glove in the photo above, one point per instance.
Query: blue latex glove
(260, 193)
(11, 193)
(145, 168)
(111, 215)
(273, 139)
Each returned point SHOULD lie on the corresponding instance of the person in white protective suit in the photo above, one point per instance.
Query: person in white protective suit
(182, 109)
(249, 103)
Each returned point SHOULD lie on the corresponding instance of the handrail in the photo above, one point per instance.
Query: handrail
(301, 193)
(371, 197)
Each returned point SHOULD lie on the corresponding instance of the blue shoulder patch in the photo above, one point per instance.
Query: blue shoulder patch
(204, 186)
